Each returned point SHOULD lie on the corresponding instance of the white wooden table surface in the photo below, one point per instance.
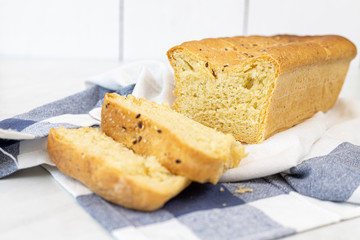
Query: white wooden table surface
(32, 204)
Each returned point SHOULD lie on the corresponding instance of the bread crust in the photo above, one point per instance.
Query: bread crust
(310, 71)
(302, 93)
(105, 180)
(151, 138)
(288, 51)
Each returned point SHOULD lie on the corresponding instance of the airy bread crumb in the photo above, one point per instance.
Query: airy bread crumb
(242, 190)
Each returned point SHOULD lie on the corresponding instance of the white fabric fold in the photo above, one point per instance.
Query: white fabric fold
(154, 80)
(278, 153)
(14, 135)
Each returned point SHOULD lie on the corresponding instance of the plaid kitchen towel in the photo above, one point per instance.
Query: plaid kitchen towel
(302, 178)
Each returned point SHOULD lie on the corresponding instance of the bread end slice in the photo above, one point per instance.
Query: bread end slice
(111, 170)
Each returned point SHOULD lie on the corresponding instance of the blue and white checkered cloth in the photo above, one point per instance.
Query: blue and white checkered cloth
(302, 178)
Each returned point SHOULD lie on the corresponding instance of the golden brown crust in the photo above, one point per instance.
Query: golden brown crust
(289, 51)
(147, 136)
(310, 71)
(104, 179)
(302, 93)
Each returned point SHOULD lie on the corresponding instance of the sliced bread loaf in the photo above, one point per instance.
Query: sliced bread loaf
(111, 170)
(184, 146)
(256, 86)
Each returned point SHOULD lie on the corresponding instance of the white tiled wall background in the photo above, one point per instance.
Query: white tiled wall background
(146, 29)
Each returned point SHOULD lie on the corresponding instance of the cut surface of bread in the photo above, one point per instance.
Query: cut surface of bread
(184, 146)
(253, 87)
(111, 170)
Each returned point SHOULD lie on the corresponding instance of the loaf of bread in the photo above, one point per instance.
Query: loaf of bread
(183, 146)
(254, 87)
(111, 170)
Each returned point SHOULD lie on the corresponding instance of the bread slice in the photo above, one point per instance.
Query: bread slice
(253, 87)
(184, 146)
(111, 170)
